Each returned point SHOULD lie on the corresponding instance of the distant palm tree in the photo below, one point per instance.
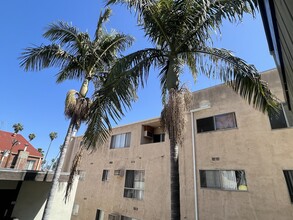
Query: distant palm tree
(17, 128)
(180, 31)
(53, 136)
(41, 151)
(81, 58)
(31, 137)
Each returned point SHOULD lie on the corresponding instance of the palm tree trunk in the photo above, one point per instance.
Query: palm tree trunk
(174, 177)
(48, 208)
(172, 82)
(45, 159)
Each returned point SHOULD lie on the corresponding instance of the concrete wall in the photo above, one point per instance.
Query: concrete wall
(32, 196)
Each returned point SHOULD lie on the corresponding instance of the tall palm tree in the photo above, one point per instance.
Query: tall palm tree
(180, 31)
(82, 58)
(53, 136)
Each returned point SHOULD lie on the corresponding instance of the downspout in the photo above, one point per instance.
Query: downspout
(194, 168)
(207, 106)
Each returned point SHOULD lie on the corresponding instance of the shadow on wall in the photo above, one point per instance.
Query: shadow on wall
(31, 199)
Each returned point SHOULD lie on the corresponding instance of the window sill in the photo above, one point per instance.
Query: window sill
(226, 129)
(223, 190)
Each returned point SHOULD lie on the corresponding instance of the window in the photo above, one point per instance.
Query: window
(289, 180)
(99, 215)
(283, 119)
(223, 179)
(127, 218)
(113, 216)
(105, 176)
(217, 122)
(134, 184)
(30, 165)
(159, 138)
(120, 140)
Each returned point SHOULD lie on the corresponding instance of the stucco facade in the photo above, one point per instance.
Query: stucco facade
(247, 151)
(108, 196)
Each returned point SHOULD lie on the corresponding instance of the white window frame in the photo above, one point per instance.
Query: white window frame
(138, 181)
(120, 140)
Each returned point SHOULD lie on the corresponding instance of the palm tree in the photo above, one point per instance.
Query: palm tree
(17, 128)
(180, 31)
(53, 136)
(31, 137)
(80, 57)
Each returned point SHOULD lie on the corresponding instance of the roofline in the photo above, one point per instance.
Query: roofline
(194, 92)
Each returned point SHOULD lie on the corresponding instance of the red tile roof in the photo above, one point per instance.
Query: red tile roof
(7, 138)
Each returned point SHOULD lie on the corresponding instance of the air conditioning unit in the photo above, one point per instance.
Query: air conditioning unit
(119, 172)
(114, 216)
(148, 134)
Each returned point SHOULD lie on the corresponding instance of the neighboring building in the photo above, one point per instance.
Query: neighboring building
(24, 193)
(242, 159)
(277, 16)
(17, 153)
(23, 187)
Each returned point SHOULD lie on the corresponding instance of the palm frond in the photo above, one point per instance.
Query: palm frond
(68, 37)
(102, 19)
(40, 57)
(61, 32)
(116, 95)
(111, 44)
(206, 17)
(137, 5)
(137, 64)
(72, 70)
(236, 73)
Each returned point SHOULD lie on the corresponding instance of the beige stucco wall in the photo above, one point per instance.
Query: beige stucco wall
(32, 196)
(253, 146)
(93, 193)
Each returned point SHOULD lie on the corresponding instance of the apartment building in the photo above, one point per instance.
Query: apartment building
(235, 163)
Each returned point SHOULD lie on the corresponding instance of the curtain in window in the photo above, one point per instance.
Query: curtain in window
(127, 140)
(139, 184)
(120, 140)
(229, 180)
(225, 121)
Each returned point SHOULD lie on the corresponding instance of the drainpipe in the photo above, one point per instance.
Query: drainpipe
(203, 107)
(194, 169)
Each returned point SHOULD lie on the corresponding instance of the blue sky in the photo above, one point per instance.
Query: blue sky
(36, 101)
